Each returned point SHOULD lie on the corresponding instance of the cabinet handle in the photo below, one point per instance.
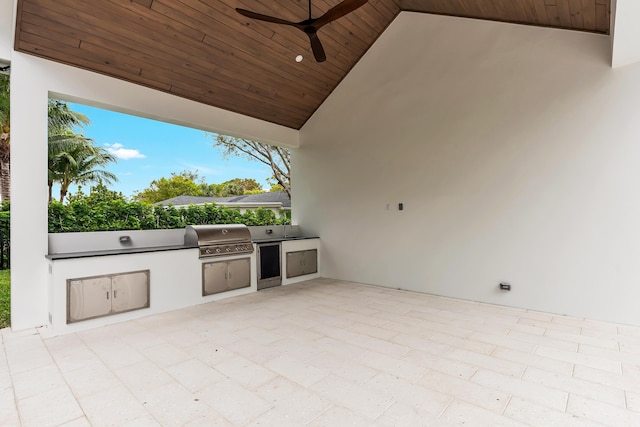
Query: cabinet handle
(114, 294)
(229, 275)
(107, 294)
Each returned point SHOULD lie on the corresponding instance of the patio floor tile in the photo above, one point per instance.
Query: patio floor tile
(234, 402)
(113, 406)
(538, 415)
(327, 353)
(8, 409)
(51, 408)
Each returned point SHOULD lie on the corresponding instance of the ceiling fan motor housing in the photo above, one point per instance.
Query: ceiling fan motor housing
(311, 26)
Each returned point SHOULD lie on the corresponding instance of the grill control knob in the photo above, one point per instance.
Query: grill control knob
(208, 250)
(228, 249)
(217, 250)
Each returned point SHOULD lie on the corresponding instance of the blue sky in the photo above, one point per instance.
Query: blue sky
(149, 149)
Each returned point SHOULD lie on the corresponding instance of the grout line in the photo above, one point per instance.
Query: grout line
(626, 400)
(393, 402)
(524, 371)
(505, 406)
(12, 387)
(453, 399)
(322, 413)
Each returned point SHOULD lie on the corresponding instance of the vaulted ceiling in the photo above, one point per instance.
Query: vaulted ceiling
(205, 51)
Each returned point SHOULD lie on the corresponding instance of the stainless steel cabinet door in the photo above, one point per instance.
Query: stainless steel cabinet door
(130, 291)
(239, 273)
(310, 261)
(214, 277)
(300, 263)
(88, 298)
(295, 264)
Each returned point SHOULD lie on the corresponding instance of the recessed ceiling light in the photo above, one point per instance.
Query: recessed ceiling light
(299, 58)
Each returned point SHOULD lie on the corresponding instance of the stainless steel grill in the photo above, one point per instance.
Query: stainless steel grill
(219, 240)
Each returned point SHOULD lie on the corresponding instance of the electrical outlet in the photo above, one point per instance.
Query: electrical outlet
(504, 286)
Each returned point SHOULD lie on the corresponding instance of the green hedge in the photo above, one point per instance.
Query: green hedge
(5, 299)
(87, 215)
(5, 217)
(79, 216)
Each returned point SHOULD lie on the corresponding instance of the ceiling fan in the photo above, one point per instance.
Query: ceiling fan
(312, 25)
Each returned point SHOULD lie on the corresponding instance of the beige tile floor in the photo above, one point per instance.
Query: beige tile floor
(327, 353)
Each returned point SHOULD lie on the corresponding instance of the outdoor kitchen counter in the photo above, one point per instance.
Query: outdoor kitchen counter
(122, 251)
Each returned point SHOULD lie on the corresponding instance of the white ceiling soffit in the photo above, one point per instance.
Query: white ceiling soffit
(625, 32)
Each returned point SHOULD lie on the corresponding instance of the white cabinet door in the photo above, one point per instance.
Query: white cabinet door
(214, 277)
(88, 298)
(130, 291)
(239, 274)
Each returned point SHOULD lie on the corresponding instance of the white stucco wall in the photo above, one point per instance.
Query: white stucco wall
(514, 150)
(6, 27)
(32, 81)
(625, 32)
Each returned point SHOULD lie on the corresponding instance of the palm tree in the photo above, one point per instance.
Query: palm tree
(58, 145)
(5, 136)
(62, 118)
(74, 159)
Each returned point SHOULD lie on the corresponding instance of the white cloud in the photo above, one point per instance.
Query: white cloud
(122, 153)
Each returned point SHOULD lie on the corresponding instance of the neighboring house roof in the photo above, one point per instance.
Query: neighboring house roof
(247, 199)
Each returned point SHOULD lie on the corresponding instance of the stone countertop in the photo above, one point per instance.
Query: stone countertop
(282, 239)
(139, 250)
(123, 251)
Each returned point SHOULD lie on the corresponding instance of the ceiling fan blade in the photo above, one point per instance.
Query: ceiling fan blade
(316, 47)
(338, 11)
(266, 18)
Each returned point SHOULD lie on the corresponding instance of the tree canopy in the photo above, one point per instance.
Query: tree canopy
(233, 187)
(277, 158)
(188, 183)
(179, 184)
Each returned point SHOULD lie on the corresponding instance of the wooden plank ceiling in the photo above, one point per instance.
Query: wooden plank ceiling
(205, 51)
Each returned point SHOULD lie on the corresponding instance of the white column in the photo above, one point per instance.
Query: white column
(29, 290)
(625, 32)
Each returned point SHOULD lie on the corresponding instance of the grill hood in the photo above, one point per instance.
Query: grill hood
(206, 235)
